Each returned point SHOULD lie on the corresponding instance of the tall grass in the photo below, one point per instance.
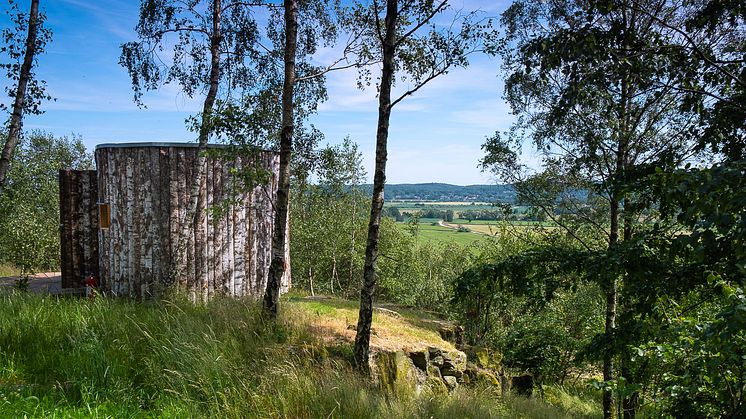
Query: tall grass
(8, 270)
(111, 358)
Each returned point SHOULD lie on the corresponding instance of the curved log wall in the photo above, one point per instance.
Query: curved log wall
(147, 188)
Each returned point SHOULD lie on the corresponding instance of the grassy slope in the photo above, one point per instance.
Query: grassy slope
(104, 358)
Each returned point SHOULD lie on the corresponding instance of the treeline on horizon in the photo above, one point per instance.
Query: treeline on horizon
(445, 192)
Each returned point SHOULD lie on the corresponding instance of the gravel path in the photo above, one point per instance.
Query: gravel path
(50, 282)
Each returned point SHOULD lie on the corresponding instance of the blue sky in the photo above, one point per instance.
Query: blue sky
(435, 136)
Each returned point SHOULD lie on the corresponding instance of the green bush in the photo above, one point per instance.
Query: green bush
(546, 342)
(523, 310)
(29, 208)
(419, 273)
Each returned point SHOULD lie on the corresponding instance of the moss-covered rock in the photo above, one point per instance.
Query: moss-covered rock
(450, 381)
(435, 368)
(474, 375)
(436, 385)
(395, 372)
(485, 357)
(454, 363)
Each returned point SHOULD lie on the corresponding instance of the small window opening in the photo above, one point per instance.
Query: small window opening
(104, 216)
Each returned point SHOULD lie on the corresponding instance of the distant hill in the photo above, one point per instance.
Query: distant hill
(445, 192)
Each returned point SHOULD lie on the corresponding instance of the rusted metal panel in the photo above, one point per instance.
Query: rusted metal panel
(147, 187)
(78, 226)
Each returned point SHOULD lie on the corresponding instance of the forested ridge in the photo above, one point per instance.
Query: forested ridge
(601, 277)
(447, 192)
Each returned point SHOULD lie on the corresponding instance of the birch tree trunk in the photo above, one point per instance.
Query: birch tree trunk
(352, 243)
(16, 117)
(623, 138)
(200, 163)
(610, 320)
(365, 318)
(278, 264)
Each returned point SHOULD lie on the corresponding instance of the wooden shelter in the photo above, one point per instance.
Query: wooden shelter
(142, 194)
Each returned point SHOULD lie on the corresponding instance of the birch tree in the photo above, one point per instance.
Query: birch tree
(302, 90)
(415, 50)
(27, 92)
(278, 263)
(600, 105)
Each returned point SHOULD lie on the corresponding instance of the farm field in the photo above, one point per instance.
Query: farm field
(458, 208)
(407, 203)
(440, 206)
(440, 234)
(519, 223)
(493, 227)
(480, 230)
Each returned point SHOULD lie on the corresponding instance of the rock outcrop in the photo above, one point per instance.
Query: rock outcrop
(437, 368)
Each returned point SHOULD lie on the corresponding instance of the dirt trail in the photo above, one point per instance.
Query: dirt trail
(456, 226)
(49, 282)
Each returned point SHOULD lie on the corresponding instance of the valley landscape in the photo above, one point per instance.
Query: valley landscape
(229, 209)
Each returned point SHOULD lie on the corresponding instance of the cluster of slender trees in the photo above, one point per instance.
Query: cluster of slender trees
(641, 104)
(218, 49)
(637, 102)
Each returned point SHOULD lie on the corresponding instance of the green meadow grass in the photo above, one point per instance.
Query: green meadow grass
(8, 270)
(519, 223)
(79, 358)
(436, 233)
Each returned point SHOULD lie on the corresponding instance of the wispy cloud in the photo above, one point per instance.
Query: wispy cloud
(435, 134)
(117, 17)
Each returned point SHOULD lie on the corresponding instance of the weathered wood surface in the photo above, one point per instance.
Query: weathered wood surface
(147, 187)
(78, 226)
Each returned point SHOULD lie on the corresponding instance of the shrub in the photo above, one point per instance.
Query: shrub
(29, 208)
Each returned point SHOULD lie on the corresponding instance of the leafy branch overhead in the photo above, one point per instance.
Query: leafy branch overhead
(431, 39)
(174, 47)
(14, 40)
(22, 44)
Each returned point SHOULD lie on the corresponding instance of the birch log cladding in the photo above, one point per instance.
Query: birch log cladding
(147, 189)
(78, 226)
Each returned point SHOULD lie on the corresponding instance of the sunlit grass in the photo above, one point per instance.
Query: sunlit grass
(335, 320)
(439, 234)
(8, 270)
(110, 358)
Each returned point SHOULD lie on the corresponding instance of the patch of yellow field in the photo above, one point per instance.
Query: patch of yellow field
(439, 203)
(482, 228)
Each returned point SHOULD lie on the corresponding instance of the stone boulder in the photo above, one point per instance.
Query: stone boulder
(476, 376)
(454, 364)
(396, 372)
(451, 382)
